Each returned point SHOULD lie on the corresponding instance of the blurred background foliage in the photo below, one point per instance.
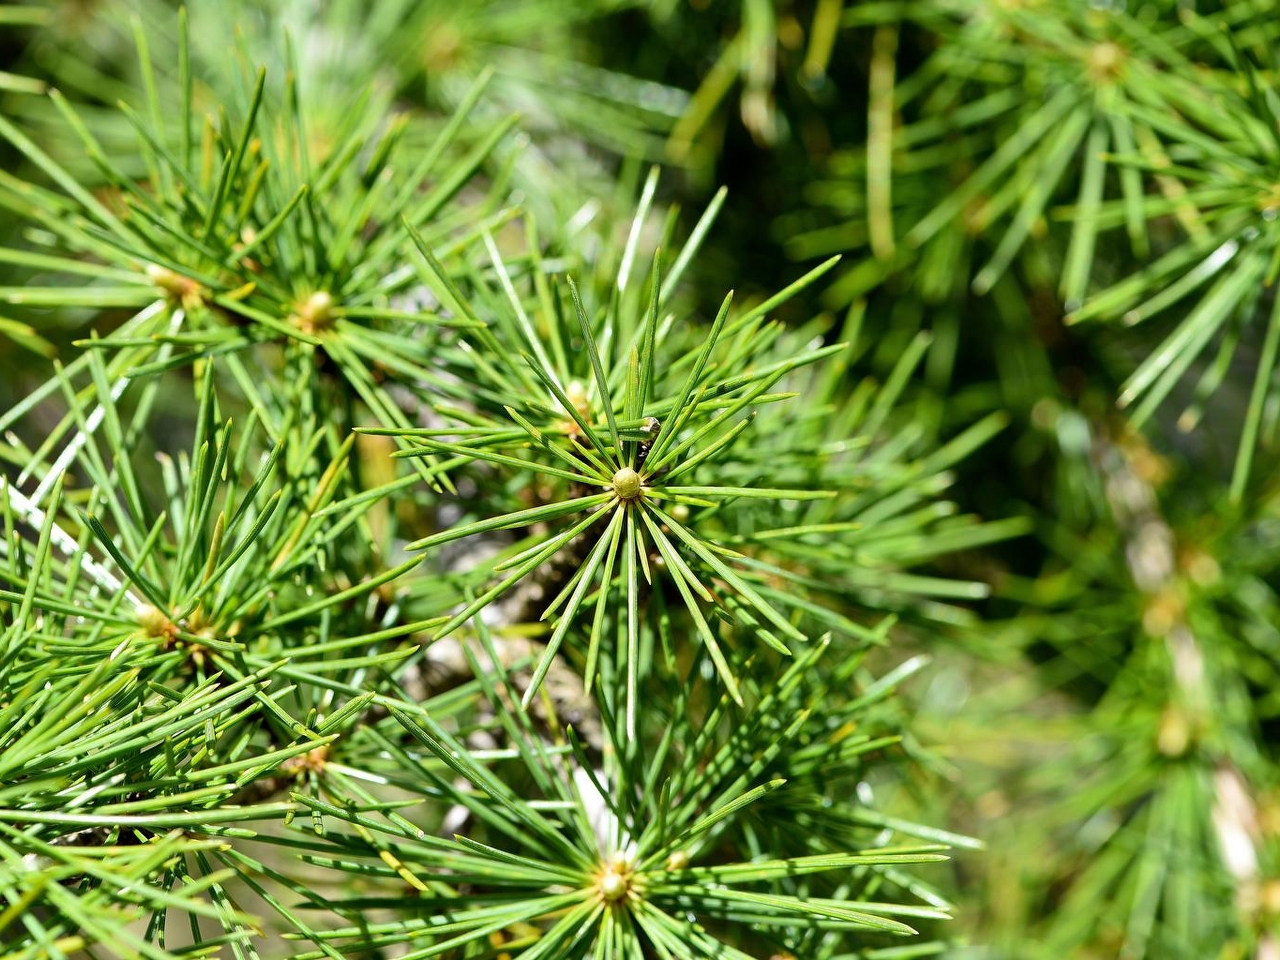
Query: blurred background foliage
(1064, 212)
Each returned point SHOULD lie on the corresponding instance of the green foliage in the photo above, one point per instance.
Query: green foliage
(624, 857)
(275, 664)
(410, 548)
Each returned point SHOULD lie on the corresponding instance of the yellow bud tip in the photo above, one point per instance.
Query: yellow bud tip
(613, 885)
(626, 484)
(313, 314)
(153, 621)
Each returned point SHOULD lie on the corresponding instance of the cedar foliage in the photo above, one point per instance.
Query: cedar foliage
(619, 479)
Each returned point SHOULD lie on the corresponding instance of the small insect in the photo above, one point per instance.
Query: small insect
(652, 427)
